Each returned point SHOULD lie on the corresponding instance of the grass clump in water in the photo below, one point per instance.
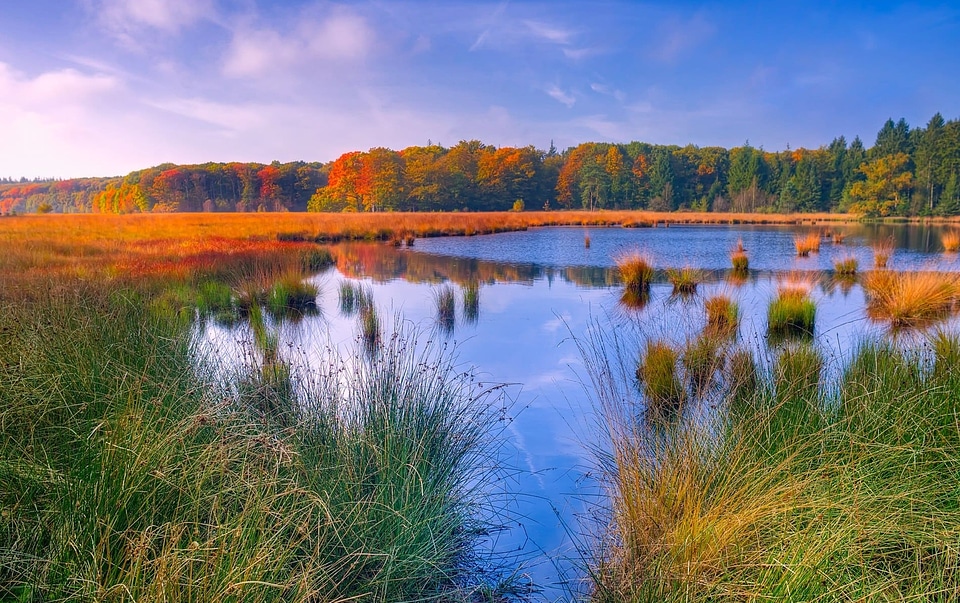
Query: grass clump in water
(846, 266)
(882, 251)
(635, 270)
(951, 241)
(701, 359)
(684, 280)
(739, 259)
(723, 315)
(792, 312)
(657, 376)
(908, 299)
(471, 301)
(290, 293)
(807, 244)
(445, 299)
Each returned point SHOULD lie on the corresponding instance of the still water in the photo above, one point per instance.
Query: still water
(542, 290)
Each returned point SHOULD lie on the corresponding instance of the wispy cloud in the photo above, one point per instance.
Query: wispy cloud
(126, 19)
(608, 91)
(550, 33)
(560, 96)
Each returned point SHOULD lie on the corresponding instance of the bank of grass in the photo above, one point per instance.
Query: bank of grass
(131, 469)
(795, 493)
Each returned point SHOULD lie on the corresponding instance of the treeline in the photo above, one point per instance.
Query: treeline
(173, 188)
(907, 171)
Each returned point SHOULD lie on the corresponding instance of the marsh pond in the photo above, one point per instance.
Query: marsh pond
(526, 309)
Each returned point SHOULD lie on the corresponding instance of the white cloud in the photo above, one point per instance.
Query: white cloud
(339, 37)
(677, 36)
(608, 91)
(550, 33)
(126, 19)
(560, 96)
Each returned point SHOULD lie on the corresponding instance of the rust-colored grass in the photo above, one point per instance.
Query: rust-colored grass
(807, 244)
(882, 251)
(951, 241)
(636, 271)
(907, 299)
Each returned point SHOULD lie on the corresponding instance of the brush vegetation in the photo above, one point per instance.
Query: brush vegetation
(906, 299)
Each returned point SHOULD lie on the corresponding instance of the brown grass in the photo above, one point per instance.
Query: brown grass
(807, 244)
(636, 271)
(907, 299)
(882, 251)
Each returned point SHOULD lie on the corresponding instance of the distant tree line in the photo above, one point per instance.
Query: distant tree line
(906, 172)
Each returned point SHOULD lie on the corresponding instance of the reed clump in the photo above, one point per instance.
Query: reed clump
(882, 251)
(635, 270)
(445, 300)
(723, 315)
(291, 293)
(739, 259)
(807, 244)
(701, 360)
(838, 237)
(684, 280)
(471, 301)
(906, 299)
(950, 240)
(658, 378)
(792, 312)
(846, 266)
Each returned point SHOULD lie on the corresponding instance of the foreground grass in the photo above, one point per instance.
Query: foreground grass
(793, 493)
(129, 470)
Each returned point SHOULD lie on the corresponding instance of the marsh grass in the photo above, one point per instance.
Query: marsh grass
(946, 355)
(846, 266)
(723, 315)
(799, 493)
(127, 474)
(445, 300)
(838, 237)
(702, 358)
(739, 259)
(658, 377)
(684, 280)
(291, 294)
(792, 312)
(635, 271)
(471, 301)
(807, 244)
(950, 240)
(882, 251)
(909, 299)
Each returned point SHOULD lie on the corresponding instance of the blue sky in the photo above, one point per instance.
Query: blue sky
(103, 87)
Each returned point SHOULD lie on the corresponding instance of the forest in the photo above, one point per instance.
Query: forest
(906, 172)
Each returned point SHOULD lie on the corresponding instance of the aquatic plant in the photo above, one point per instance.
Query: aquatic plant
(291, 293)
(792, 311)
(657, 375)
(684, 280)
(838, 237)
(946, 355)
(882, 250)
(635, 270)
(739, 259)
(317, 259)
(805, 244)
(950, 240)
(906, 299)
(586, 241)
(701, 359)
(445, 299)
(845, 266)
(796, 371)
(741, 376)
(370, 327)
(723, 314)
(471, 301)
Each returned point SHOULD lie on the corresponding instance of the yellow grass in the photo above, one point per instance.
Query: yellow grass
(635, 269)
(882, 252)
(906, 299)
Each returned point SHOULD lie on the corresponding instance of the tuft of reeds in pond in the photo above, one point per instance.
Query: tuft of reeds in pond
(350, 294)
(741, 376)
(635, 270)
(684, 280)
(701, 359)
(906, 299)
(471, 301)
(739, 259)
(950, 240)
(838, 237)
(586, 241)
(846, 266)
(316, 260)
(807, 244)
(445, 299)
(792, 312)
(657, 376)
(723, 315)
(882, 250)
(290, 293)
(214, 297)
(370, 327)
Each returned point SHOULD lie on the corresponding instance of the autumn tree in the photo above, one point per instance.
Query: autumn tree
(888, 179)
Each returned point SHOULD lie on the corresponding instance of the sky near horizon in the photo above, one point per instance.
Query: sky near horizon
(105, 87)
